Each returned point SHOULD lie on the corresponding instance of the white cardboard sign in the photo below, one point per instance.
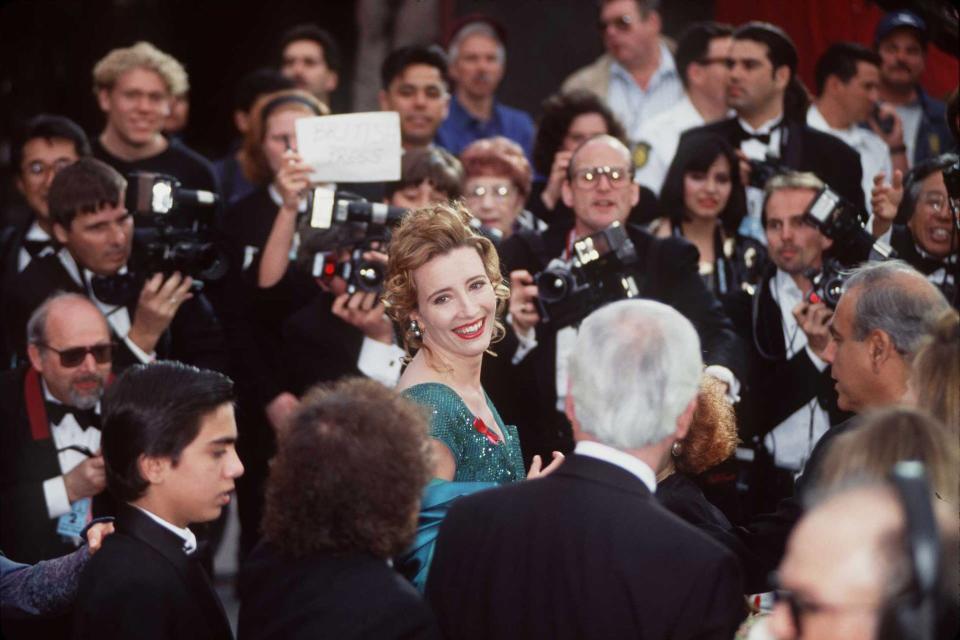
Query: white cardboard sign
(353, 147)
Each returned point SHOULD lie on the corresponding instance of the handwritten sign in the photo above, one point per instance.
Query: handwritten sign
(354, 147)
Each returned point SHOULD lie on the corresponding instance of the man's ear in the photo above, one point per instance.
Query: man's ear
(686, 419)
(33, 352)
(566, 193)
(333, 79)
(153, 470)
(60, 233)
(634, 194)
(384, 100)
(781, 76)
(103, 99)
(880, 348)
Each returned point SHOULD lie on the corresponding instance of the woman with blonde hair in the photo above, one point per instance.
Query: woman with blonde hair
(445, 290)
(935, 379)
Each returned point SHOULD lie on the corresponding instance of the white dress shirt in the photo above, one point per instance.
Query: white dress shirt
(633, 105)
(625, 461)
(874, 152)
(793, 439)
(662, 135)
(757, 150)
(188, 537)
(117, 315)
(38, 234)
(67, 432)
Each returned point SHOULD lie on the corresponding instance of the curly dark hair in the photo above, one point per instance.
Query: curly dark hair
(557, 113)
(713, 432)
(348, 473)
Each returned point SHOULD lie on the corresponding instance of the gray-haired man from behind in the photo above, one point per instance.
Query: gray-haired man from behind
(587, 552)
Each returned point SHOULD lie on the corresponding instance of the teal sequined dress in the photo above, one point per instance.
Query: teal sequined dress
(478, 459)
(480, 465)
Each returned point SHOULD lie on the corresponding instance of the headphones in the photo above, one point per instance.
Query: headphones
(913, 615)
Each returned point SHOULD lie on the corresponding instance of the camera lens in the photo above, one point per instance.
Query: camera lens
(369, 276)
(553, 286)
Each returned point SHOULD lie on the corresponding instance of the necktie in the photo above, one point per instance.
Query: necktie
(86, 418)
(763, 138)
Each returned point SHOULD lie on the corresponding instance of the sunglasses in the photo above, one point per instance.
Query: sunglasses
(74, 357)
(620, 23)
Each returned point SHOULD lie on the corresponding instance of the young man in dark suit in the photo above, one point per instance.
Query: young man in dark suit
(587, 552)
(770, 122)
(169, 445)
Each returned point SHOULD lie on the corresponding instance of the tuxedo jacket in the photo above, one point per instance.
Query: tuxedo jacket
(142, 585)
(586, 552)
(803, 148)
(194, 335)
(348, 596)
(665, 271)
(775, 386)
(28, 457)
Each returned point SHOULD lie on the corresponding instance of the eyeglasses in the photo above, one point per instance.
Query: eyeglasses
(935, 201)
(74, 357)
(38, 168)
(799, 607)
(497, 191)
(620, 23)
(589, 178)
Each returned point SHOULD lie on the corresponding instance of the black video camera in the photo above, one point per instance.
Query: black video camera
(164, 239)
(598, 274)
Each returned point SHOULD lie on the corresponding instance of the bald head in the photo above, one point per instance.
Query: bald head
(603, 139)
(64, 328)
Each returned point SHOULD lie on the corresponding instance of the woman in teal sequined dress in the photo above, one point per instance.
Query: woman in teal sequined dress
(445, 290)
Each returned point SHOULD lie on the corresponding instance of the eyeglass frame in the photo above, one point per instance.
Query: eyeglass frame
(574, 177)
(65, 354)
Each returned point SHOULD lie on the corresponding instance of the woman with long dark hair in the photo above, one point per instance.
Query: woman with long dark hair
(704, 201)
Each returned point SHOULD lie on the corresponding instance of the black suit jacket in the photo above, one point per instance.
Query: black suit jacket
(775, 386)
(586, 552)
(194, 335)
(28, 457)
(348, 596)
(803, 148)
(142, 585)
(666, 271)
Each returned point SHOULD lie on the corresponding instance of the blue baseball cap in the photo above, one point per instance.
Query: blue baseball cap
(900, 20)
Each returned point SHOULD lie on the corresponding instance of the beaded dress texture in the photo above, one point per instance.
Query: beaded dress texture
(471, 443)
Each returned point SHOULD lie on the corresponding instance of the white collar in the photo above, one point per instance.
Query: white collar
(786, 285)
(49, 397)
(189, 539)
(70, 264)
(35, 232)
(625, 461)
(667, 66)
(766, 127)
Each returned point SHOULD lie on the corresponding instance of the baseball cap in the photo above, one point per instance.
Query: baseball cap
(900, 20)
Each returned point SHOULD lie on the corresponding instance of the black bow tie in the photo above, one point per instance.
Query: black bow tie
(37, 247)
(763, 138)
(86, 418)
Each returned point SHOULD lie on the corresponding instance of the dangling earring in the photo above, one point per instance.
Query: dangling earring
(676, 449)
(415, 330)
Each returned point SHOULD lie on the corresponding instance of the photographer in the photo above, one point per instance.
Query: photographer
(788, 397)
(166, 319)
(770, 128)
(920, 222)
(529, 384)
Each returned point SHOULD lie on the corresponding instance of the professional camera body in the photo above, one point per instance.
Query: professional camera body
(164, 240)
(840, 221)
(827, 283)
(598, 274)
(762, 170)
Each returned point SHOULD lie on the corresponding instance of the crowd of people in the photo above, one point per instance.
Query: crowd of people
(676, 357)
